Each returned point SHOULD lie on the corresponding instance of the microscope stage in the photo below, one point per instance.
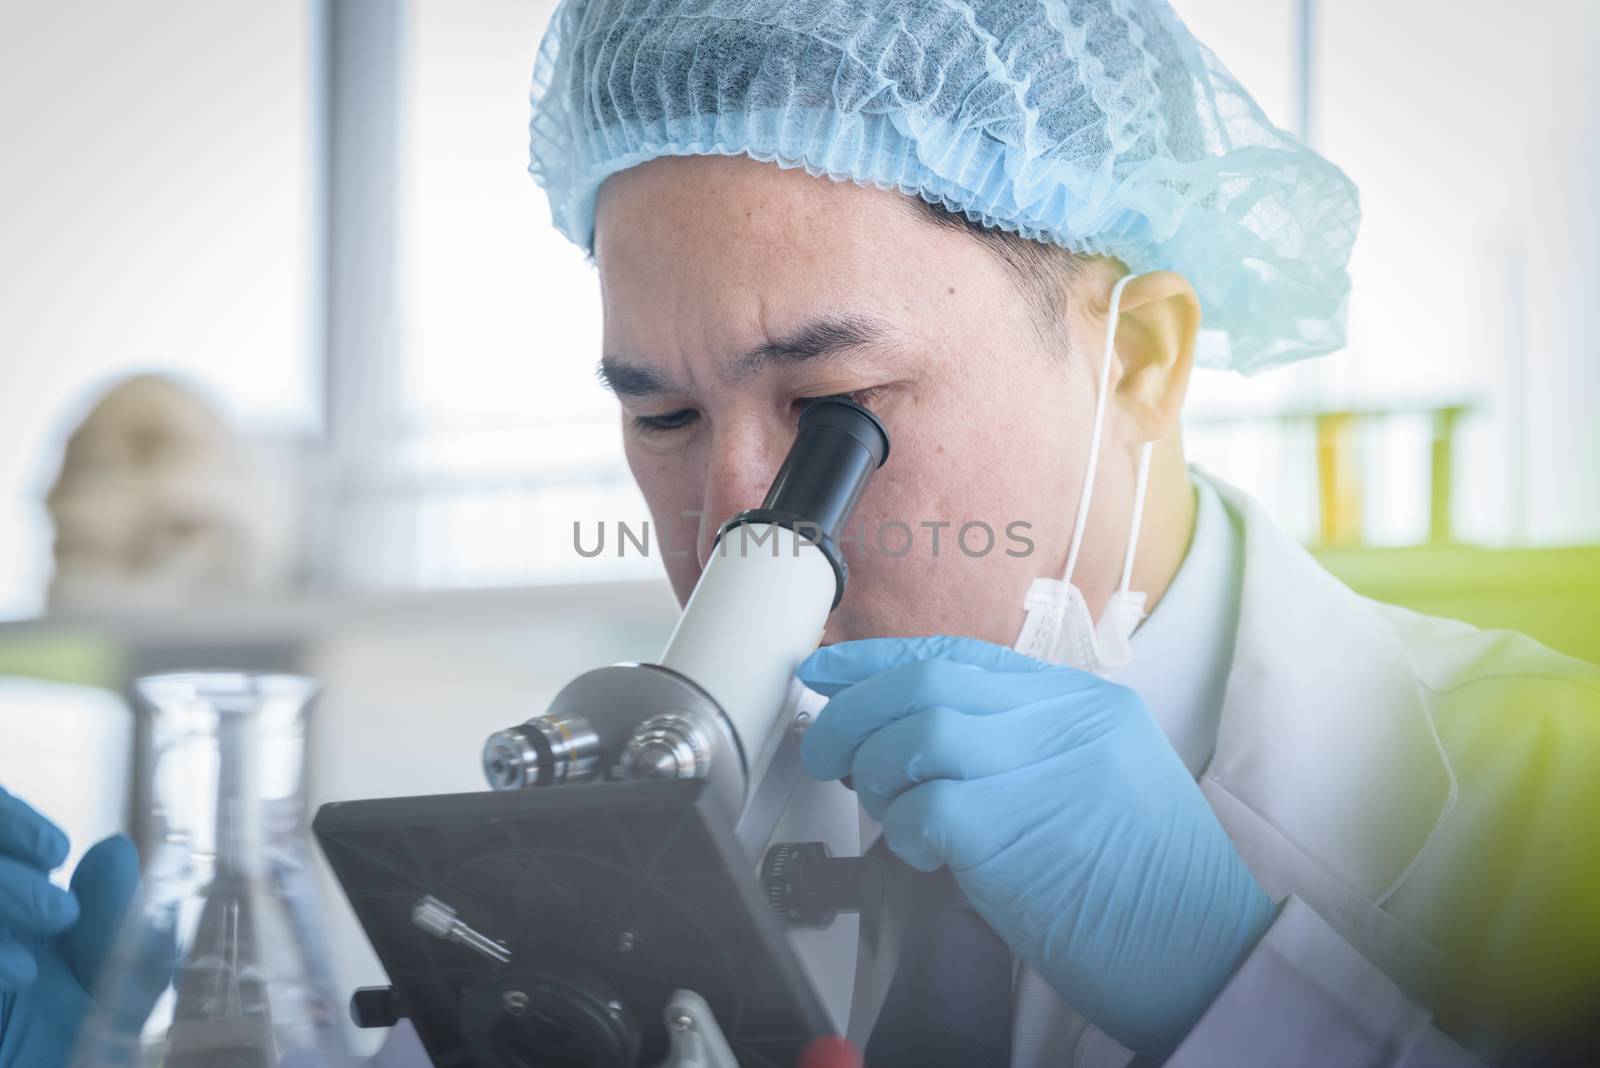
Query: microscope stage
(607, 897)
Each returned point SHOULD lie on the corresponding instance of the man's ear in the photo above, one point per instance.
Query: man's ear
(1159, 319)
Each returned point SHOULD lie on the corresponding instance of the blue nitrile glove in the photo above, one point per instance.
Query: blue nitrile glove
(52, 942)
(1063, 812)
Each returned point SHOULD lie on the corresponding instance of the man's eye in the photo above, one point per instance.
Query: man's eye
(656, 424)
(865, 397)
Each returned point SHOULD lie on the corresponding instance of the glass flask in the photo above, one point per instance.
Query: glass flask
(221, 961)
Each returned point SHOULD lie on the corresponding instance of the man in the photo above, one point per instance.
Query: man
(1311, 857)
(1216, 808)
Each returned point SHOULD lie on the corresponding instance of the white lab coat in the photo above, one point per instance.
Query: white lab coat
(1372, 767)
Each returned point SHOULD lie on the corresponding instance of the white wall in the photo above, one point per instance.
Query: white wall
(153, 202)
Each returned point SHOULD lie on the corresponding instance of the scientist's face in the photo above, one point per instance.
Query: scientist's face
(734, 291)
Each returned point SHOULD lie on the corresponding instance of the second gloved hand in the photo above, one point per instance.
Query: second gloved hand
(1063, 812)
(52, 942)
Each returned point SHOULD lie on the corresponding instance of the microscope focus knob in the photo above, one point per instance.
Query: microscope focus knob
(808, 887)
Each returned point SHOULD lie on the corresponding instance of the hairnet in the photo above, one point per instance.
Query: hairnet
(1102, 126)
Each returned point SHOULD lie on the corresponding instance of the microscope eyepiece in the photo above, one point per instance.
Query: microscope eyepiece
(838, 447)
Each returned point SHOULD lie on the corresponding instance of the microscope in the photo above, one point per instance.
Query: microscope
(614, 901)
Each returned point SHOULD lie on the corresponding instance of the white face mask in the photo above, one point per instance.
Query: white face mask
(1058, 628)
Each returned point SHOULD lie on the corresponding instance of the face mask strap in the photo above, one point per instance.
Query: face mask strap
(1139, 488)
(1094, 445)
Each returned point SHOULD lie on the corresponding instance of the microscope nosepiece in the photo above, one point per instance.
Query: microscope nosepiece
(673, 745)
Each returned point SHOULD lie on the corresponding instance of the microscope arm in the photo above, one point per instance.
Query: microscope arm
(770, 793)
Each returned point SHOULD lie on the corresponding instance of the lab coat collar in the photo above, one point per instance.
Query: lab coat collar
(1329, 774)
(1182, 651)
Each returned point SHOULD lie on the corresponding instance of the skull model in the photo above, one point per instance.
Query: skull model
(157, 501)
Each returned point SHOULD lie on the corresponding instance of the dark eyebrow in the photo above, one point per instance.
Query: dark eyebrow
(822, 338)
(633, 380)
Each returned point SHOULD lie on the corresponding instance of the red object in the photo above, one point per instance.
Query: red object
(830, 1051)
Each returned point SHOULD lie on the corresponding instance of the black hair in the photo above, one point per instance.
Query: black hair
(1044, 272)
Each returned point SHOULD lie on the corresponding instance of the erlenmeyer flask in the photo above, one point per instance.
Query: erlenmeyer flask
(222, 962)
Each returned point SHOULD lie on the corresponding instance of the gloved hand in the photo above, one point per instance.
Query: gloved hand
(1061, 809)
(52, 942)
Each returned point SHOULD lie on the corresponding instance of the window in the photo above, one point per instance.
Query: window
(509, 439)
(155, 217)
(504, 436)
(1472, 141)
(168, 218)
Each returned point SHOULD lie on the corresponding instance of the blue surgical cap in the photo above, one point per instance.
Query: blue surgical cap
(1102, 126)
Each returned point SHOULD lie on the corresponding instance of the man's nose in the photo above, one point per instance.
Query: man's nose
(740, 474)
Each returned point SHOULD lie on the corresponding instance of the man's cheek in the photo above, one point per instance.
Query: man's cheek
(881, 599)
